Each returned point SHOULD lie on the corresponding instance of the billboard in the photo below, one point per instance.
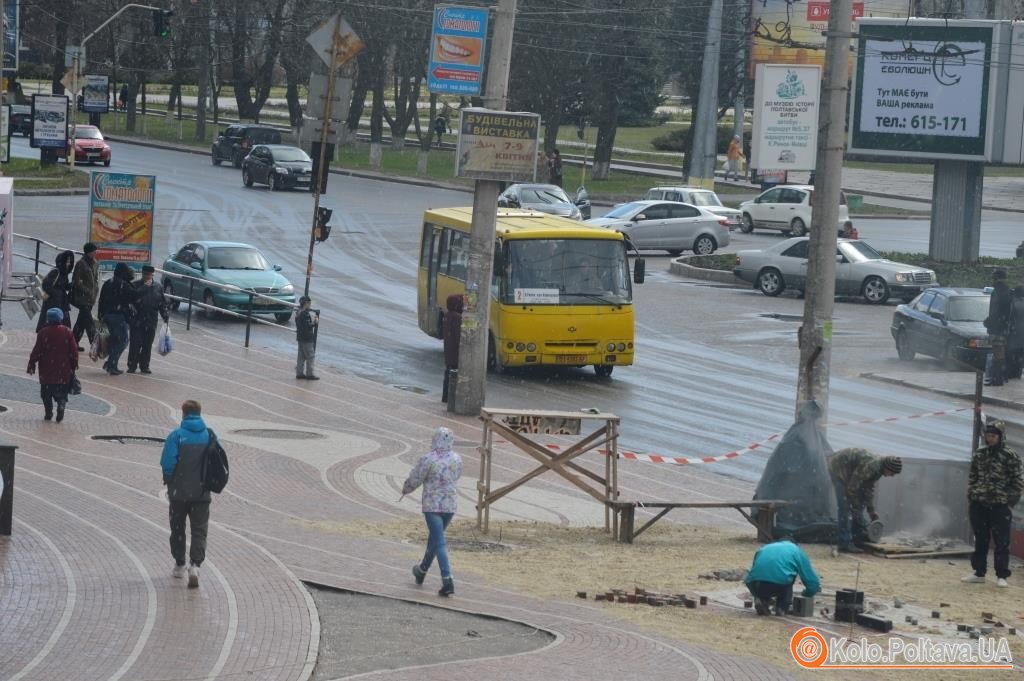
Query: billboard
(96, 94)
(925, 89)
(49, 121)
(11, 15)
(792, 31)
(786, 104)
(457, 50)
(497, 145)
(121, 218)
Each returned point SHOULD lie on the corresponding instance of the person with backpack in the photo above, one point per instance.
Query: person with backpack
(182, 463)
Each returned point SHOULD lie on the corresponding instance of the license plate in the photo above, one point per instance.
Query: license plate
(571, 359)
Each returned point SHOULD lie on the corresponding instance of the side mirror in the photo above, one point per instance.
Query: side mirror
(639, 217)
(196, 265)
(277, 268)
(502, 203)
(639, 269)
(839, 258)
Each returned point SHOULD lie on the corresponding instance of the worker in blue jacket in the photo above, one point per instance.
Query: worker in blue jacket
(776, 566)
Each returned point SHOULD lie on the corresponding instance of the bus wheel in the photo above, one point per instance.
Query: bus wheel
(603, 370)
(494, 364)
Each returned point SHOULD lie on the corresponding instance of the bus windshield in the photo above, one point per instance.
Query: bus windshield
(566, 272)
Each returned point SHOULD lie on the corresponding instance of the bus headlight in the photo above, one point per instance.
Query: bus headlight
(520, 347)
(531, 347)
(611, 347)
(621, 347)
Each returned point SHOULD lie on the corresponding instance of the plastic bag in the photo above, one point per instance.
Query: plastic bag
(166, 344)
(100, 347)
(74, 385)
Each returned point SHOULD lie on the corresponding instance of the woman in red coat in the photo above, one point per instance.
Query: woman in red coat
(56, 353)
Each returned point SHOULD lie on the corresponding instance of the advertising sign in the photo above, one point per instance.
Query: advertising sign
(497, 145)
(792, 31)
(49, 121)
(11, 15)
(786, 102)
(6, 231)
(457, 50)
(922, 90)
(96, 94)
(121, 218)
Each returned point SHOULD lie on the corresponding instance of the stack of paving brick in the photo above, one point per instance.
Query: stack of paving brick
(642, 596)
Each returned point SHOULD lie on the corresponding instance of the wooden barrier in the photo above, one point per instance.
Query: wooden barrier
(764, 520)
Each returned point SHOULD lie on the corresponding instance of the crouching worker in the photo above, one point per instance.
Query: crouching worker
(770, 580)
(855, 472)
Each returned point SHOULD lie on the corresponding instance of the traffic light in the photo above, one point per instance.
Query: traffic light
(323, 230)
(161, 22)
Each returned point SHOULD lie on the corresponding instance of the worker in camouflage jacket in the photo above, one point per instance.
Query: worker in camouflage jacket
(994, 487)
(854, 474)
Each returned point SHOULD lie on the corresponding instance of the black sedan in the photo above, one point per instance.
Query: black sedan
(21, 119)
(546, 198)
(277, 165)
(946, 323)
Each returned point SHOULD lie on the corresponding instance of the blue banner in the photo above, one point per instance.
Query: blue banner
(457, 50)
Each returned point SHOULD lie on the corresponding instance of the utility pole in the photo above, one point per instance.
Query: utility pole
(203, 74)
(472, 381)
(705, 119)
(816, 332)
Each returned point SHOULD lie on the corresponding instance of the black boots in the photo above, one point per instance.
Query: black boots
(418, 574)
(447, 587)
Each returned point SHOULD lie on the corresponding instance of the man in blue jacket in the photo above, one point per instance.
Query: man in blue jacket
(181, 462)
(775, 568)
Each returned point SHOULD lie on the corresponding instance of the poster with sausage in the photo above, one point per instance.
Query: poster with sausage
(121, 218)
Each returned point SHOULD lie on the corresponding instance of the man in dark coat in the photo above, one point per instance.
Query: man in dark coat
(116, 298)
(56, 353)
(149, 304)
(57, 288)
(1000, 309)
(451, 334)
(181, 463)
(305, 335)
(84, 287)
(1015, 340)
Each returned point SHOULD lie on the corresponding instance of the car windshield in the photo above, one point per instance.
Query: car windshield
(566, 272)
(87, 133)
(624, 210)
(286, 155)
(967, 309)
(858, 251)
(542, 195)
(235, 259)
(704, 199)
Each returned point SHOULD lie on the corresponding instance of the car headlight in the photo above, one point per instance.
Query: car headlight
(531, 347)
(288, 288)
(280, 171)
(903, 276)
(621, 347)
(610, 347)
(520, 347)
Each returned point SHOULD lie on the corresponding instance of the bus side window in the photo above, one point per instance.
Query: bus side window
(428, 237)
(458, 255)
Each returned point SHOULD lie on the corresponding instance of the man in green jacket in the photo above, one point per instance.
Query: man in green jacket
(855, 473)
(994, 486)
(84, 285)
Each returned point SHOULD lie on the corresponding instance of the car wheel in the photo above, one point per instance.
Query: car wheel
(213, 158)
(272, 182)
(799, 228)
(209, 300)
(770, 282)
(603, 370)
(875, 291)
(704, 245)
(246, 177)
(172, 304)
(107, 163)
(903, 349)
(494, 364)
(283, 317)
(747, 226)
(236, 159)
(674, 251)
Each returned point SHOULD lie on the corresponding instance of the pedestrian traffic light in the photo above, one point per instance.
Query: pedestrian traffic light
(323, 230)
(162, 22)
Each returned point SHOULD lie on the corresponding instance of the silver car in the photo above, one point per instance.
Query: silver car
(787, 208)
(667, 226)
(860, 271)
(695, 196)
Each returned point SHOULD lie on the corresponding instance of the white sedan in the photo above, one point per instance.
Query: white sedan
(667, 226)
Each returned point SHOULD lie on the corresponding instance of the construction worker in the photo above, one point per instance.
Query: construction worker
(773, 572)
(854, 473)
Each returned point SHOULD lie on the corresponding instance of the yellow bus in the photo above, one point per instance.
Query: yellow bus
(561, 292)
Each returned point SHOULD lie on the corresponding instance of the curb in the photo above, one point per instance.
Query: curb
(64, 191)
(985, 399)
(680, 267)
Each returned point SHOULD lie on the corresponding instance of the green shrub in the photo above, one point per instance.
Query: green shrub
(673, 141)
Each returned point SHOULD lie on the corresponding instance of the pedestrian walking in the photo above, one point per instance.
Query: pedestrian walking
(994, 486)
(84, 287)
(1000, 309)
(122, 100)
(452, 336)
(555, 168)
(773, 572)
(438, 472)
(115, 309)
(56, 354)
(440, 127)
(182, 462)
(306, 322)
(56, 288)
(149, 305)
(855, 472)
(733, 156)
(1015, 339)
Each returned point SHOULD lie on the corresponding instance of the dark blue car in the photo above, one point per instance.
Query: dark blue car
(946, 323)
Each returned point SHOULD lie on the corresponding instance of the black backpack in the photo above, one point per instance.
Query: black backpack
(214, 472)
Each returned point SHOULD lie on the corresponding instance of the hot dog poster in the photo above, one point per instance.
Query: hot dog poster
(457, 50)
(121, 218)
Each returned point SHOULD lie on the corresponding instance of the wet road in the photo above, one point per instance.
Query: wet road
(716, 366)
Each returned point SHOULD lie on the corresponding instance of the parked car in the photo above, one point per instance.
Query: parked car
(787, 208)
(236, 141)
(21, 119)
(234, 264)
(667, 225)
(90, 147)
(546, 198)
(278, 166)
(947, 323)
(860, 271)
(695, 196)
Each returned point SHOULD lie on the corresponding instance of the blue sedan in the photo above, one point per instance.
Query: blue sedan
(946, 323)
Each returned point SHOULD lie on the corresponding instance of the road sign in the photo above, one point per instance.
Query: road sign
(457, 50)
(318, 95)
(70, 52)
(348, 43)
(68, 81)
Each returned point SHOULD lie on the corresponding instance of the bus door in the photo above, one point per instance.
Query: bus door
(433, 260)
